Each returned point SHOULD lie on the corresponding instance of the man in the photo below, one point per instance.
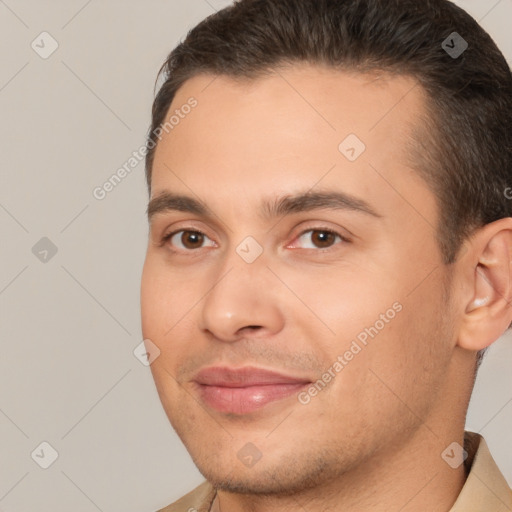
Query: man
(329, 254)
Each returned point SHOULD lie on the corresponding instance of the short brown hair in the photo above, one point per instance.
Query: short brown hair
(462, 150)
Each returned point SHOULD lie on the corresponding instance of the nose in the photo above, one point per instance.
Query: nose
(243, 303)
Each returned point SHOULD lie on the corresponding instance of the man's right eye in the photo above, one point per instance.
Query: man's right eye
(187, 239)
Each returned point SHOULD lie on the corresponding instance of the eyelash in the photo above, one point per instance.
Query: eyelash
(166, 238)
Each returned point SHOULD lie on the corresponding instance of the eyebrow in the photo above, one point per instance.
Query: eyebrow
(287, 205)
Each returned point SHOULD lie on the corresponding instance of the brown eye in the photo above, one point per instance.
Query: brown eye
(192, 239)
(319, 239)
(323, 238)
(187, 239)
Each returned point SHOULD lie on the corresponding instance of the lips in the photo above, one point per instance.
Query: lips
(243, 390)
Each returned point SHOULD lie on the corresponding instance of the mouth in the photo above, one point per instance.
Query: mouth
(244, 390)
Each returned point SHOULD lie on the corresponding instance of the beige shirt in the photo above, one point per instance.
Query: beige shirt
(485, 490)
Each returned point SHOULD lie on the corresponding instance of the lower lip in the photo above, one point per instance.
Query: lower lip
(248, 399)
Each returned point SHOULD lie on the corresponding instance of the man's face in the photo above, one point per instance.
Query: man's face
(353, 296)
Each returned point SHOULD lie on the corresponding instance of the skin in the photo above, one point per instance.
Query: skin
(373, 438)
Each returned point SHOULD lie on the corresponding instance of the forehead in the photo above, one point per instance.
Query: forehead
(297, 126)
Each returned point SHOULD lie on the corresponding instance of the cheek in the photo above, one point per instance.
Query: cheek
(149, 293)
(409, 360)
(374, 322)
(166, 299)
(347, 304)
(170, 302)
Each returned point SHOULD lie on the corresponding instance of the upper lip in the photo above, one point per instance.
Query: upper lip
(247, 376)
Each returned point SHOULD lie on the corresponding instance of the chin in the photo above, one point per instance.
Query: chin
(267, 478)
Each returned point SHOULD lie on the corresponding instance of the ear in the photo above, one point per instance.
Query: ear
(488, 302)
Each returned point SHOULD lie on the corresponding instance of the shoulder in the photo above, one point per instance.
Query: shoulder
(198, 500)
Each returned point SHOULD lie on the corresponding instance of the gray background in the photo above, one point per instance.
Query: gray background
(69, 325)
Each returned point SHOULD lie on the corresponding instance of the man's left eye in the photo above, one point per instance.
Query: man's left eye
(319, 239)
